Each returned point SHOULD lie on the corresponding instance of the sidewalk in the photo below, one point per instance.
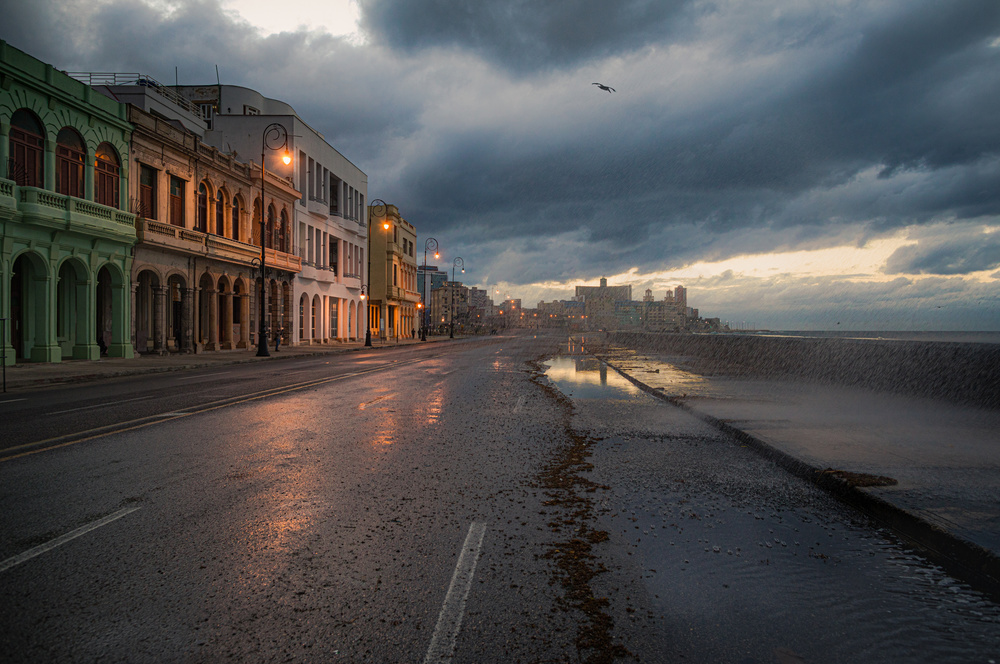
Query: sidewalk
(30, 375)
(943, 457)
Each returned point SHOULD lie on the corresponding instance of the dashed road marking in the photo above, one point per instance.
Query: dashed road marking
(59, 541)
(442, 647)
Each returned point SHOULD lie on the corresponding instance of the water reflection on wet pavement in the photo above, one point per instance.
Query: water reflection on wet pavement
(739, 561)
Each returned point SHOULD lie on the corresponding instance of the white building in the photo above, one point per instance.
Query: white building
(330, 227)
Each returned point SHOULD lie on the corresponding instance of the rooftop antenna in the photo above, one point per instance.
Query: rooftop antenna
(176, 79)
(218, 81)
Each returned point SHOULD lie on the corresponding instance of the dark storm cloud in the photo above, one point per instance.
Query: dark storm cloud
(737, 127)
(948, 252)
(524, 35)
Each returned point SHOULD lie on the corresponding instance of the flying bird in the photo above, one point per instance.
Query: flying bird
(606, 88)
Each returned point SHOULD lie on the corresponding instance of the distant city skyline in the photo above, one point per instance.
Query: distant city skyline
(805, 166)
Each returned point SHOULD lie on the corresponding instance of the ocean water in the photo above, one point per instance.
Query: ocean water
(941, 336)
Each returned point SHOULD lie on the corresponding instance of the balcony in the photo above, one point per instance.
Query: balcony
(47, 208)
(186, 240)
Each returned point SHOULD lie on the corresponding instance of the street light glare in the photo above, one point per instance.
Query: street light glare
(287, 158)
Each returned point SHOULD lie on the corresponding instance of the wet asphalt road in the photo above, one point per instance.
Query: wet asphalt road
(351, 510)
(320, 524)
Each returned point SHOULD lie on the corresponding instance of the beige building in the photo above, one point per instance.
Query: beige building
(450, 303)
(392, 309)
(197, 262)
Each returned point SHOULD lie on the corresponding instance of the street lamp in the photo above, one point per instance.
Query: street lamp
(273, 133)
(454, 264)
(376, 203)
(424, 324)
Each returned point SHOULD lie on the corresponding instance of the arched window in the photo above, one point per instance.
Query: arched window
(201, 218)
(220, 213)
(283, 232)
(106, 170)
(27, 147)
(236, 218)
(70, 157)
(270, 227)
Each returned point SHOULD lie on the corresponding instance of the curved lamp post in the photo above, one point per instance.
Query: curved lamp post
(429, 243)
(364, 297)
(373, 207)
(457, 262)
(269, 140)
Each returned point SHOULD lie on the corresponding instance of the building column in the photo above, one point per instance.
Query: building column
(44, 316)
(135, 317)
(187, 320)
(49, 170)
(88, 175)
(212, 297)
(244, 321)
(4, 154)
(160, 320)
(6, 347)
(227, 320)
(121, 315)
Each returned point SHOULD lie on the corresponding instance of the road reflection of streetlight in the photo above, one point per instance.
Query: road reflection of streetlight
(454, 264)
(268, 141)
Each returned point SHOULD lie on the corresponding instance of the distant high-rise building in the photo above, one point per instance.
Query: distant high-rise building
(681, 297)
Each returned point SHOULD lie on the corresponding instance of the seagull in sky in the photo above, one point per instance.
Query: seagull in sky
(606, 88)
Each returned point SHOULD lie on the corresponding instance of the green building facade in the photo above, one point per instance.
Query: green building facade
(66, 235)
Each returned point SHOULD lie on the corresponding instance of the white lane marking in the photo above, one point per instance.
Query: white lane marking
(103, 404)
(518, 406)
(13, 400)
(442, 646)
(221, 373)
(59, 541)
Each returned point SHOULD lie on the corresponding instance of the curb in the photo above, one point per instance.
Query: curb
(33, 383)
(964, 560)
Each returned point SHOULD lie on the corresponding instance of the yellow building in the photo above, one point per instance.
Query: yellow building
(392, 309)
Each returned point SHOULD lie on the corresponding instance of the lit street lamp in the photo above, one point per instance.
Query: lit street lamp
(268, 141)
(455, 263)
(377, 203)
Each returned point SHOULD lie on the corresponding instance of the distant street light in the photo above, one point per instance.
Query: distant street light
(268, 141)
(424, 323)
(454, 264)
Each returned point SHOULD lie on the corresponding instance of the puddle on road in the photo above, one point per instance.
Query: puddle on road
(742, 562)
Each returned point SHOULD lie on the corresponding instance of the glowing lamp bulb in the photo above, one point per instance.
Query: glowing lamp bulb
(385, 225)
(287, 158)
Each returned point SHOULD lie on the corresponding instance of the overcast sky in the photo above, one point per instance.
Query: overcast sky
(800, 165)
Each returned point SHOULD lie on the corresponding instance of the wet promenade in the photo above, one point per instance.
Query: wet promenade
(927, 467)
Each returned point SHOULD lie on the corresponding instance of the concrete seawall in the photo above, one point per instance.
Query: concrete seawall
(966, 373)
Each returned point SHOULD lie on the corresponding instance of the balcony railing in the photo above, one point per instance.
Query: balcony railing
(66, 207)
(216, 246)
(94, 79)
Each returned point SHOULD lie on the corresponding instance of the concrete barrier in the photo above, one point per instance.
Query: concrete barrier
(958, 372)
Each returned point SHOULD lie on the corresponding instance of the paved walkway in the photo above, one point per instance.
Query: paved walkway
(28, 375)
(945, 457)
